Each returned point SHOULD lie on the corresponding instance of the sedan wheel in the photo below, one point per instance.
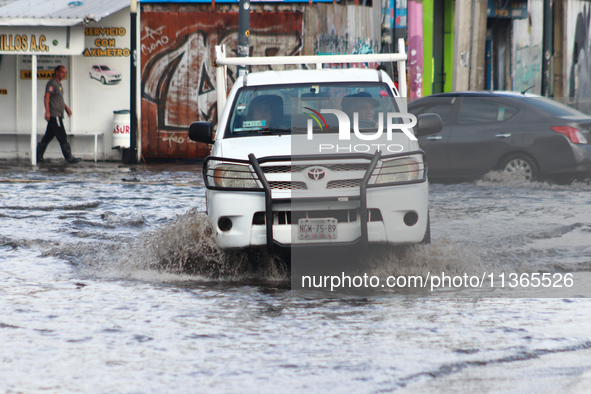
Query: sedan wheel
(520, 167)
(103, 80)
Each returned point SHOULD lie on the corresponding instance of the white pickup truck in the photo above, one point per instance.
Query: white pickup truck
(315, 157)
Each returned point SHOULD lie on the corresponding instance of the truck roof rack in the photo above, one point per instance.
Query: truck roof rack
(221, 62)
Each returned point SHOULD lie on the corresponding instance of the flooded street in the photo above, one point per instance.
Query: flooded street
(110, 282)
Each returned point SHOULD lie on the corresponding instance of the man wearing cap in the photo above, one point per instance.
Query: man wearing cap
(363, 104)
(267, 107)
(54, 115)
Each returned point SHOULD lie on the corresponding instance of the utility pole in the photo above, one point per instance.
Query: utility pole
(132, 84)
(243, 33)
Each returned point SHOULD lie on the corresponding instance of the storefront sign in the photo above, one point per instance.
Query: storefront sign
(510, 9)
(23, 43)
(41, 40)
(105, 43)
(45, 66)
(41, 74)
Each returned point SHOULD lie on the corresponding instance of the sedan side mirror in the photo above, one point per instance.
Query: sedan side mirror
(428, 124)
(201, 132)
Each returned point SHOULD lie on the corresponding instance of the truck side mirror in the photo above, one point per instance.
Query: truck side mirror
(201, 132)
(428, 124)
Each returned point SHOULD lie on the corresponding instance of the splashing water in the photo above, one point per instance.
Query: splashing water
(504, 179)
(185, 248)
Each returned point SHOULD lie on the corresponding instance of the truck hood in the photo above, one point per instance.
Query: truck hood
(260, 146)
(285, 145)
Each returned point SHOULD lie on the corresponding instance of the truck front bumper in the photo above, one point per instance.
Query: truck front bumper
(394, 214)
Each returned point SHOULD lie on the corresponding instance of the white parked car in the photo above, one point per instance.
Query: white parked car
(283, 171)
(103, 73)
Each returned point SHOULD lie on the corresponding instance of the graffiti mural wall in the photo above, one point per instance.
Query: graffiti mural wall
(332, 29)
(178, 79)
(527, 49)
(528, 68)
(333, 44)
(415, 48)
(578, 59)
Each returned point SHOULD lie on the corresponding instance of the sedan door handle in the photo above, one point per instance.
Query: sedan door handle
(434, 137)
(503, 135)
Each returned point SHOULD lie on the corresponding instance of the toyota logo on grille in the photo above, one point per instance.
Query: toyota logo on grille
(316, 174)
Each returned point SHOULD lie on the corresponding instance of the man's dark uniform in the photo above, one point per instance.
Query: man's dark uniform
(55, 125)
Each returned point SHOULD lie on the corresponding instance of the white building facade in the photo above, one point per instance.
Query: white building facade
(92, 41)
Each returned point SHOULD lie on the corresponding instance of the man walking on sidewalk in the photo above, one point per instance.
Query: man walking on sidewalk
(54, 115)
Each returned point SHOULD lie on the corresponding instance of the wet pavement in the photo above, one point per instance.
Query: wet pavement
(110, 282)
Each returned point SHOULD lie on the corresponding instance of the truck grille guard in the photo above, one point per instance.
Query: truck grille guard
(255, 163)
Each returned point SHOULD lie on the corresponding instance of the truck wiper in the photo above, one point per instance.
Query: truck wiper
(274, 130)
(264, 130)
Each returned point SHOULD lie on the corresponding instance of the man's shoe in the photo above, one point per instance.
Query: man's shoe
(73, 160)
(41, 160)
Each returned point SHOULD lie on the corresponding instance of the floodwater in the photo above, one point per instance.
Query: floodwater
(110, 282)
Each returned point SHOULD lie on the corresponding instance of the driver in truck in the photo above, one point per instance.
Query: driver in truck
(363, 104)
(268, 108)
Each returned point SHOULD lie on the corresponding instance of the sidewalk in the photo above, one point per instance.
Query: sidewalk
(102, 172)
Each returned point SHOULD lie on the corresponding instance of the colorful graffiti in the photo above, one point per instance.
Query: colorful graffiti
(528, 68)
(332, 44)
(580, 70)
(178, 79)
(415, 48)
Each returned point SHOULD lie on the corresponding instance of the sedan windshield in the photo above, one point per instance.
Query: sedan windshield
(283, 109)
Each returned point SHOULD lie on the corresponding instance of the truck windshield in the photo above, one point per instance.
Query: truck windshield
(285, 109)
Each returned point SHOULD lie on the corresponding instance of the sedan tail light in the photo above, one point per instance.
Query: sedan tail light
(574, 135)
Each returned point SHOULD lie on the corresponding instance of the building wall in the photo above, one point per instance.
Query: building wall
(469, 41)
(438, 30)
(448, 44)
(178, 79)
(337, 30)
(527, 49)
(8, 86)
(178, 46)
(428, 58)
(106, 43)
(577, 62)
(91, 102)
(415, 48)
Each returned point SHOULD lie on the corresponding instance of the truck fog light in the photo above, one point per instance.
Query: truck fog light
(411, 218)
(224, 224)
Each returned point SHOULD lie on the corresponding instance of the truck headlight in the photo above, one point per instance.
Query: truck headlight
(400, 170)
(233, 176)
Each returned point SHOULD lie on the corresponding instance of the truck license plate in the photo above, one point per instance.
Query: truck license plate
(317, 229)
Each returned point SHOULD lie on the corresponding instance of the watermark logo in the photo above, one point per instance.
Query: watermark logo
(345, 124)
(315, 115)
